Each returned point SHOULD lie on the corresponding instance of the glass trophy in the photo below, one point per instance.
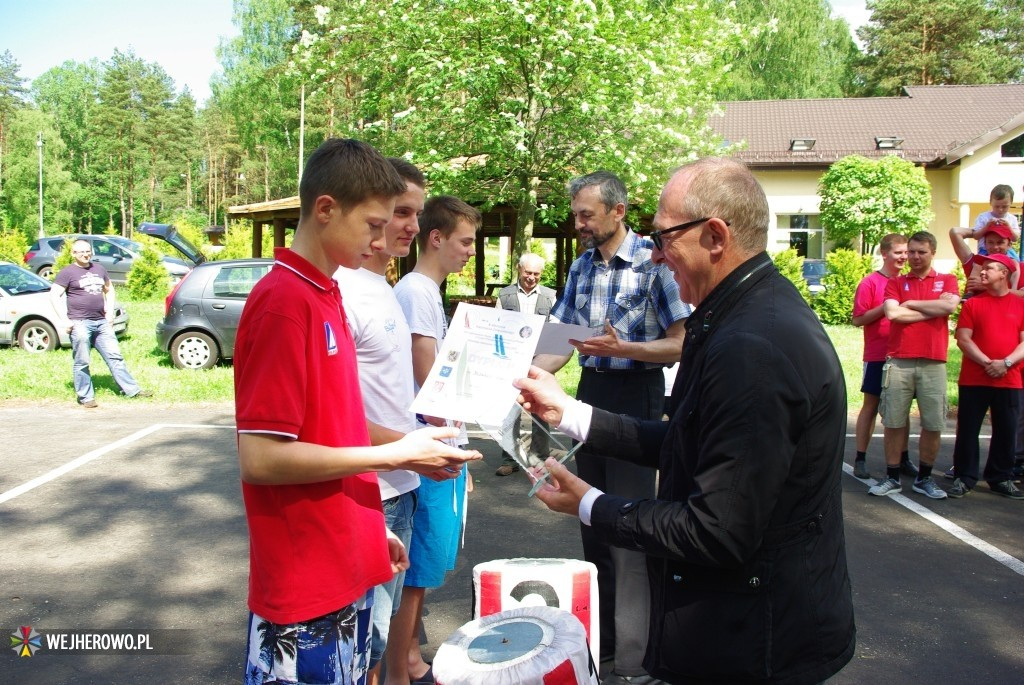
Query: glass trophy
(531, 444)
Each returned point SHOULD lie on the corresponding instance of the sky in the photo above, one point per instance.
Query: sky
(179, 35)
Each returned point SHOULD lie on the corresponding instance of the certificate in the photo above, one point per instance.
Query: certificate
(484, 351)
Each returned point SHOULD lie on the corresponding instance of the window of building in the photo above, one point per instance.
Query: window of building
(1013, 148)
(803, 233)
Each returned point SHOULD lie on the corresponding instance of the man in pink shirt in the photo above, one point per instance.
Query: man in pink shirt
(867, 313)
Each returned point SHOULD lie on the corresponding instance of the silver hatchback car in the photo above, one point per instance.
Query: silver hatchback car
(27, 316)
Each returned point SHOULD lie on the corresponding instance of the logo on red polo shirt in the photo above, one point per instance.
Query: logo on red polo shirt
(332, 343)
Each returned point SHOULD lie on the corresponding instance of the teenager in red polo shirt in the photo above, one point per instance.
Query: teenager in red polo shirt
(317, 540)
(990, 332)
(918, 305)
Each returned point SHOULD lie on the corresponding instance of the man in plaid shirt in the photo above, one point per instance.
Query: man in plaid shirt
(614, 287)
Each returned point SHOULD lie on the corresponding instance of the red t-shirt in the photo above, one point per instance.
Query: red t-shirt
(923, 339)
(996, 324)
(313, 548)
(871, 294)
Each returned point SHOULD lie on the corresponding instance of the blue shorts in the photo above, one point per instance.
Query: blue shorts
(333, 649)
(398, 516)
(872, 383)
(436, 531)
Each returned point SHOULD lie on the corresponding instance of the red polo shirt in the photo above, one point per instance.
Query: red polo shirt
(313, 548)
(995, 324)
(924, 339)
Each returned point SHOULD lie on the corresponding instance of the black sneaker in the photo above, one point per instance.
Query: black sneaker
(860, 470)
(1006, 488)
(1018, 472)
(959, 489)
(949, 474)
(907, 468)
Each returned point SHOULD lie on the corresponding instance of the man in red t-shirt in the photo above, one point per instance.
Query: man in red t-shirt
(317, 540)
(918, 305)
(990, 332)
(867, 313)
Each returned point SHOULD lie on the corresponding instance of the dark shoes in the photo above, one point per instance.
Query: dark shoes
(506, 469)
(143, 393)
(1006, 488)
(860, 470)
(91, 404)
(958, 490)
(907, 468)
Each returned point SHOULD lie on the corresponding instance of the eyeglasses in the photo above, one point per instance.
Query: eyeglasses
(81, 252)
(656, 236)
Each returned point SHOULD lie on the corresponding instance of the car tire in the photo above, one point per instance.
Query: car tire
(194, 350)
(37, 335)
(45, 271)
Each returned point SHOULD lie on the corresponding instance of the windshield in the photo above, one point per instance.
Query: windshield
(814, 269)
(17, 281)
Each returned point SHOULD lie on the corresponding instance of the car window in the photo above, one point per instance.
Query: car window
(238, 281)
(19, 282)
(104, 249)
(56, 244)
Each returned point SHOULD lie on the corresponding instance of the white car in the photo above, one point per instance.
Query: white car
(27, 316)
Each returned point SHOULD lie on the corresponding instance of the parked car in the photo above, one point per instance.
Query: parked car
(813, 271)
(27, 316)
(116, 253)
(201, 313)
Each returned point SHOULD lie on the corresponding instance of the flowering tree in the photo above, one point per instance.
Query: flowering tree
(868, 198)
(502, 101)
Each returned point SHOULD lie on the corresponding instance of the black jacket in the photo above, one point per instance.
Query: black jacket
(745, 544)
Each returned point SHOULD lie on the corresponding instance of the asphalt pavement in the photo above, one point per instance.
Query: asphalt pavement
(129, 518)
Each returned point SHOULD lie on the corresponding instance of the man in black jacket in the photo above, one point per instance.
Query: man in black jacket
(745, 545)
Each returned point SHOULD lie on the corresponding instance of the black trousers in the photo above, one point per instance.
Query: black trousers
(623, 586)
(1004, 404)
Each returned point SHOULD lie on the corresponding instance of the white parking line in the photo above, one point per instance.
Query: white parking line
(95, 454)
(1007, 560)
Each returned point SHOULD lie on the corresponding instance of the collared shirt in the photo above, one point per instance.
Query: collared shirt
(527, 300)
(928, 339)
(638, 297)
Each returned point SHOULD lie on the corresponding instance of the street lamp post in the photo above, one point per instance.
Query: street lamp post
(39, 145)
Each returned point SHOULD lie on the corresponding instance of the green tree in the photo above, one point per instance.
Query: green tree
(845, 269)
(796, 50)
(20, 201)
(864, 199)
(12, 94)
(934, 43)
(502, 102)
(13, 246)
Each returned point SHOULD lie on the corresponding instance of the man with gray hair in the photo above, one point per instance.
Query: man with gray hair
(744, 544)
(633, 303)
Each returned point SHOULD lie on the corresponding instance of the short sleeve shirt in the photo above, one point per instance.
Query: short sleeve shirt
(639, 298)
(84, 289)
(314, 547)
(996, 324)
(927, 339)
(870, 294)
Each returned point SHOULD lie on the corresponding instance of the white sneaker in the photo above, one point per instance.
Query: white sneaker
(889, 486)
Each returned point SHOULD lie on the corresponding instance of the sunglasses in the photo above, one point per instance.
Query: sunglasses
(656, 236)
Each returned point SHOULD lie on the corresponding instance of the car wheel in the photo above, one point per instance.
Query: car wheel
(45, 271)
(194, 350)
(37, 336)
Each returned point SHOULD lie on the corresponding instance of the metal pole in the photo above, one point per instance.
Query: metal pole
(302, 128)
(39, 144)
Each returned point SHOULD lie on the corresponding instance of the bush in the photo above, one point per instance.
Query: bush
(13, 246)
(791, 265)
(62, 260)
(238, 242)
(148, 278)
(844, 271)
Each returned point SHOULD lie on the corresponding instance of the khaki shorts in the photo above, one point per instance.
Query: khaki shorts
(905, 379)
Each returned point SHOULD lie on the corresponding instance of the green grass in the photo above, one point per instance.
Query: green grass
(48, 376)
(38, 377)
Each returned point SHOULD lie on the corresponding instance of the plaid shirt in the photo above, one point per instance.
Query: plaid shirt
(639, 297)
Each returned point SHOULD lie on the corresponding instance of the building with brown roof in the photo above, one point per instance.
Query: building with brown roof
(968, 139)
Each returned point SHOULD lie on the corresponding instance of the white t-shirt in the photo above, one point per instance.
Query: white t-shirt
(986, 217)
(420, 298)
(384, 353)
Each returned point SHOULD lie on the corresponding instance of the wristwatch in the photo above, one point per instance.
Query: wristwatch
(1008, 363)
